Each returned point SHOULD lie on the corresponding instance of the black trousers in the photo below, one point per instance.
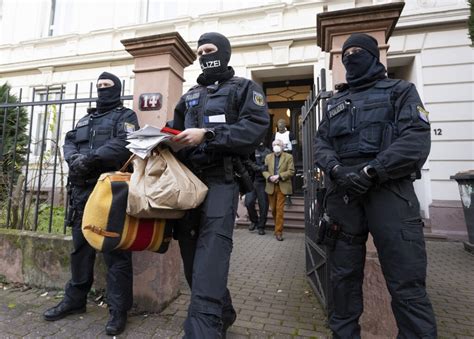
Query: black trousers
(391, 214)
(258, 194)
(205, 239)
(119, 267)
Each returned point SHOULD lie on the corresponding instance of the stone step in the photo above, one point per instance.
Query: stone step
(293, 219)
(298, 201)
(287, 209)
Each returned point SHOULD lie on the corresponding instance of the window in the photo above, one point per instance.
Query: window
(44, 132)
(62, 17)
(52, 13)
(1, 10)
(157, 10)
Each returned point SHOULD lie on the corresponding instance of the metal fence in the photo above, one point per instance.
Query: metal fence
(317, 270)
(33, 173)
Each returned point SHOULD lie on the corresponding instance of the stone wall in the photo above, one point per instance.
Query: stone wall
(40, 259)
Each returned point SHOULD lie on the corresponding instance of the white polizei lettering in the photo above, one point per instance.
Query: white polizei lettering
(211, 64)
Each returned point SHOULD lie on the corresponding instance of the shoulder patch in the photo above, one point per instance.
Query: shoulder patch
(192, 99)
(258, 99)
(336, 109)
(423, 114)
(128, 127)
(82, 122)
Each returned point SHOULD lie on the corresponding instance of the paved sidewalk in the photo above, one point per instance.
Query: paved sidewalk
(270, 292)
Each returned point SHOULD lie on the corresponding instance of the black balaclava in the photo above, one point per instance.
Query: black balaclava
(214, 66)
(362, 68)
(109, 97)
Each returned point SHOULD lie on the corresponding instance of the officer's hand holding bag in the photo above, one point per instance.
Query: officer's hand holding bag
(162, 187)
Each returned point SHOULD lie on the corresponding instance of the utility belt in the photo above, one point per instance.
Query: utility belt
(231, 168)
(331, 231)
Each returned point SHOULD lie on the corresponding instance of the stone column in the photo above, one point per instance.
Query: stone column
(333, 28)
(159, 67)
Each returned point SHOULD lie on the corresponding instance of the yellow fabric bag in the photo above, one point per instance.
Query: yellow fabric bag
(107, 227)
(162, 187)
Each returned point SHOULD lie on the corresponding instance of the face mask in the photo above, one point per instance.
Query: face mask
(108, 97)
(357, 64)
(277, 149)
(216, 62)
(362, 67)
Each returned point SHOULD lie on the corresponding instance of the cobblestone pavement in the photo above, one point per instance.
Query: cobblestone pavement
(270, 292)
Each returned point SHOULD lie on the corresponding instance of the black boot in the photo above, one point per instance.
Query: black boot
(227, 322)
(116, 323)
(261, 231)
(61, 310)
(252, 226)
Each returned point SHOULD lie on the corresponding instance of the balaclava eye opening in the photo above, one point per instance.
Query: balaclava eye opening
(109, 97)
(363, 67)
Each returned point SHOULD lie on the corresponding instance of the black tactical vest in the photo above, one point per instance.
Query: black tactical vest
(213, 105)
(93, 130)
(362, 124)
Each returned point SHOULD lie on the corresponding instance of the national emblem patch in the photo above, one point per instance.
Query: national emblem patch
(258, 99)
(423, 114)
(128, 127)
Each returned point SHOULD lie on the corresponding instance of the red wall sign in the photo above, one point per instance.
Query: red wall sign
(150, 101)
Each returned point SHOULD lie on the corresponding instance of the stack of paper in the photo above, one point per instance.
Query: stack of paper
(143, 141)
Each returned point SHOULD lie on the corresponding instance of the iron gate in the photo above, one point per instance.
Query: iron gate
(317, 270)
(33, 173)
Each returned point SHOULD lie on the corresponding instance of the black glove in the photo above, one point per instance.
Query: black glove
(339, 174)
(72, 158)
(353, 180)
(358, 183)
(82, 164)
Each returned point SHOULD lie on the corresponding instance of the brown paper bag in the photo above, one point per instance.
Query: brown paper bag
(162, 187)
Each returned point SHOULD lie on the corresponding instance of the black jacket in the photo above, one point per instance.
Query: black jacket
(384, 125)
(235, 109)
(102, 136)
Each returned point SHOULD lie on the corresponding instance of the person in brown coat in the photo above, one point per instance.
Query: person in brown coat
(280, 169)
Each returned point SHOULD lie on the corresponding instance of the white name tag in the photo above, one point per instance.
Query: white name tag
(215, 119)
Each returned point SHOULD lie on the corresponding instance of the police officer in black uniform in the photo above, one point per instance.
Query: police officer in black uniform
(95, 146)
(258, 194)
(224, 118)
(373, 139)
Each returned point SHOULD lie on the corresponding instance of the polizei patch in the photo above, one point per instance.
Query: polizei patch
(81, 123)
(192, 99)
(336, 110)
